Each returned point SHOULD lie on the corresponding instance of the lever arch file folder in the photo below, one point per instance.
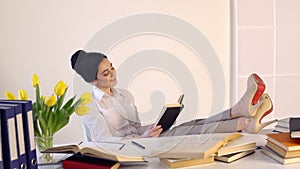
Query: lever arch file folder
(8, 138)
(19, 133)
(28, 129)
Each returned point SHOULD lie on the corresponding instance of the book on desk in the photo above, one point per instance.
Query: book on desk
(236, 149)
(294, 125)
(95, 150)
(193, 146)
(283, 125)
(187, 162)
(77, 161)
(282, 148)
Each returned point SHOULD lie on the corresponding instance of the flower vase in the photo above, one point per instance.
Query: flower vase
(42, 143)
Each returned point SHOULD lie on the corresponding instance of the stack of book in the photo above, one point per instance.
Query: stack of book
(283, 125)
(282, 148)
(190, 153)
(17, 148)
(236, 150)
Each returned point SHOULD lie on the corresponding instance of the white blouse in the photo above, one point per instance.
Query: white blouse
(111, 116)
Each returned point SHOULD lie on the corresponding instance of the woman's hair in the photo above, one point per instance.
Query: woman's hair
(86, 64)
(75, 56)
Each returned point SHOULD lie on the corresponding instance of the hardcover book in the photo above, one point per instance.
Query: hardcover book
(284, 141)
(85, 162)
(169, 114)
(295, 127)
(281, 129)
(235, 156)
(188, 162)
(283, 153)
(285, 122)
(278, 158)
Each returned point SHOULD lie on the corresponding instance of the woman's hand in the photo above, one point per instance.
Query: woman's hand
(152, 131)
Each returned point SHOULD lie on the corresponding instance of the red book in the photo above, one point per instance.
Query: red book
(85, 162)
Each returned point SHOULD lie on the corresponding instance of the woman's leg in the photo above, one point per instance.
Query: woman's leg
(249, 124)
(225, 115)
(250, 102)
(227, 126)
(247, 106)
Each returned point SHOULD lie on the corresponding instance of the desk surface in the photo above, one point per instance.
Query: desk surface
(256, 160)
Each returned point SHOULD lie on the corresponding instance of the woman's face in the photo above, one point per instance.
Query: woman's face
(106, 75)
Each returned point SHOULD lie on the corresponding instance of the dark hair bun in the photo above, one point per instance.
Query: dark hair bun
(75, 56)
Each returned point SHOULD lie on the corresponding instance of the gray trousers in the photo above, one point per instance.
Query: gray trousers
(219, 123)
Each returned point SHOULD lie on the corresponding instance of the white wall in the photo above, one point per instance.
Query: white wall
(39, 37)
(268, 38)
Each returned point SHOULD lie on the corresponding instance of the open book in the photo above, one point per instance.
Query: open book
(191, 146)
(169, 114)
(243, 144)
(95, 151)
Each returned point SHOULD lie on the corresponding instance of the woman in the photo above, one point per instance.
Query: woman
(113, 112)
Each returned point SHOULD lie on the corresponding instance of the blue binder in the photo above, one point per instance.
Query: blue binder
(28, 127)
(1, 152)
(20, 133)
(8, 136)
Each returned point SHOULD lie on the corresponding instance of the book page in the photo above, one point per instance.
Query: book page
(107, 145)
(185, 146)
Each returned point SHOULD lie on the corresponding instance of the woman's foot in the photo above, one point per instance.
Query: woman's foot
(266, 108)
(249, 103)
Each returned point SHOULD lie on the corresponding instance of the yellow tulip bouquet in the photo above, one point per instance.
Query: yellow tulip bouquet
(52, 113)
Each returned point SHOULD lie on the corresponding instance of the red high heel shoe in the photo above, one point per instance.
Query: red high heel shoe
(248, 104)
(266, 108)
(259, 87)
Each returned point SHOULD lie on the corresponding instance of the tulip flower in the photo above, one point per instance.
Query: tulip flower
(86, 98)
(35, 80)
(51, 101)
(23, 94)
(60, 88)
(10, 96)
(82, 110)
(52, 113)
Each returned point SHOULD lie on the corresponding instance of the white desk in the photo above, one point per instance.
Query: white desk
(256, 160)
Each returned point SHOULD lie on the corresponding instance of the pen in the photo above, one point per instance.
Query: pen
(137, 144)
(121, 146)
